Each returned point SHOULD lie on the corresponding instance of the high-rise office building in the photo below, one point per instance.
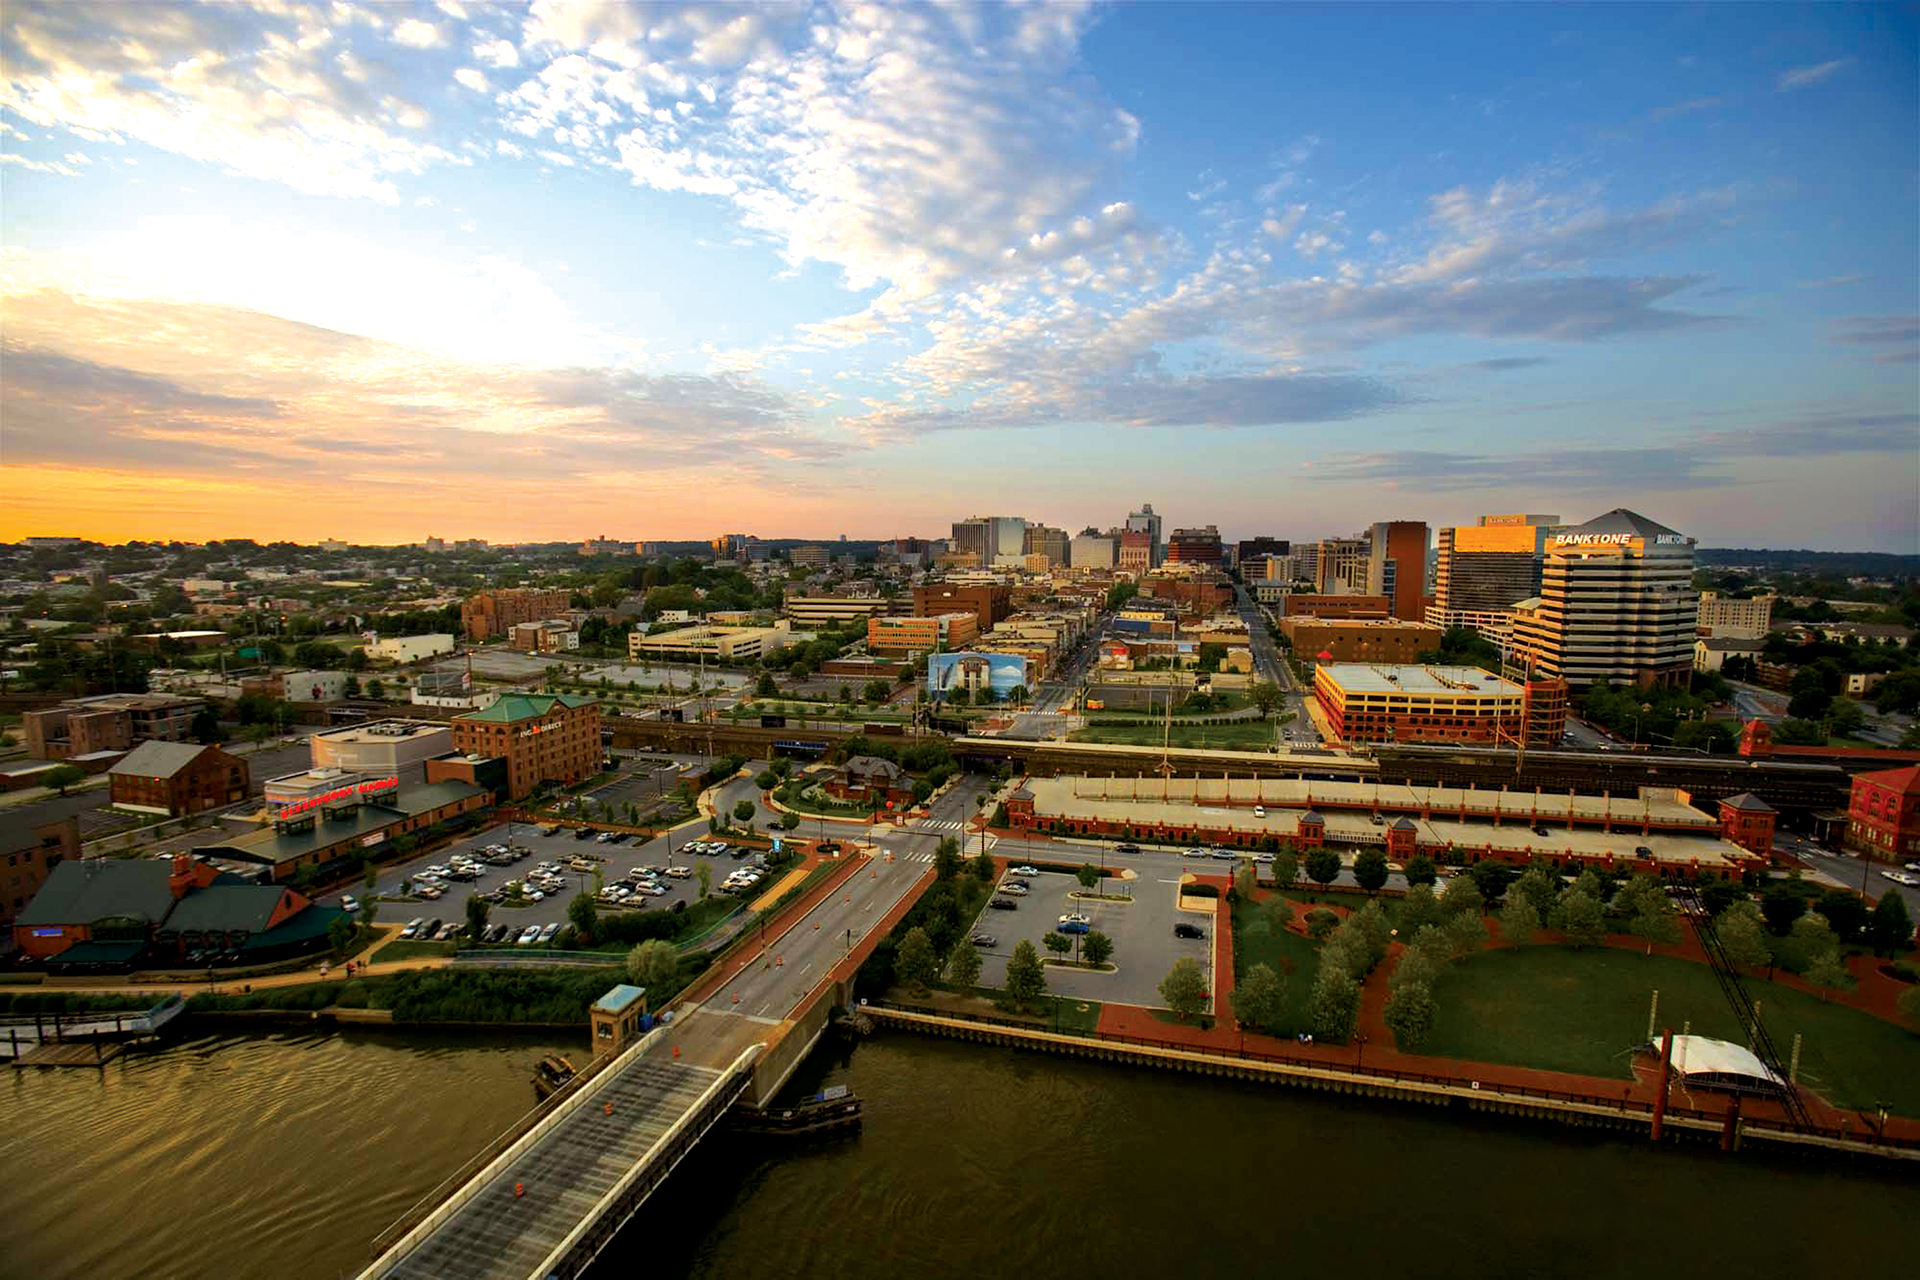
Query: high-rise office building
(1136, 551)
(1146, 521)
(1249, 549)
(1092, 549)
(1341, 566)
(1482, 570)
(1616, 605)
(1196, 546)
(1397, 566)
(995, 539)
(1045, 540)
(970, 537)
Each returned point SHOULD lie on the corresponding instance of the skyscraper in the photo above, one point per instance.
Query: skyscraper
(1196, 546)
(1397, 566)
(1616, 605)
(1146, 521)
(1341, 566)
(1048, 541)
(1092, 549)
(1482, 570)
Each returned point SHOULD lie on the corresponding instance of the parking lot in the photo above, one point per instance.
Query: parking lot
(1144, 945)
(642, 784)
(616, 860)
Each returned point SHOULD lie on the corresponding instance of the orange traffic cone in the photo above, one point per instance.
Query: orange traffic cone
(816, 926)
(519, 1189)
(676, 1051)
(609, 1108)
(778, 961)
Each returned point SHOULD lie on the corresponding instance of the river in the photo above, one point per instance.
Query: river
(283, 1154)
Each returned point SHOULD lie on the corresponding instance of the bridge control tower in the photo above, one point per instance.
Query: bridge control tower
(618, 1018)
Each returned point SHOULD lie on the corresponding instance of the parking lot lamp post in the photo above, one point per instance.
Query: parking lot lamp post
(1359, 1050)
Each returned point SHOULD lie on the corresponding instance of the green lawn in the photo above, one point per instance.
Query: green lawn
(791, 797)
(409, 949)
(1564, 1009)
(1226, 735)
(1048, 1013)
(1291, 956)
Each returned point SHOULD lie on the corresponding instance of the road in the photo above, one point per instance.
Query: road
(1848, 871)
(1271, 666)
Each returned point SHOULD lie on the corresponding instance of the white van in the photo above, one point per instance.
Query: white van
(680, 873)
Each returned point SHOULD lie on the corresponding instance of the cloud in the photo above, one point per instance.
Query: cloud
(190, 390)
(270, 95)
(39, 166)
(1877, 329)
(472, 79)
(1659, 114)
(1833, 282)
(1801, 77)
(1698, 462)
(1506, 364)
(497, 53)
(416, 34)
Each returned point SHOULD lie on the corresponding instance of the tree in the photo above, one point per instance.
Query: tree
(963, 966)
(1286, 868)
(340, 935)
(766, 780)
(1256, 999)
(477, 911)
(789, 820)
(983, 868)
(1462, 897)
(1909, 1006)
(1265, 696)
(1334, 1009)
(1466, 933)
(1421, 870)
(1246, 881)
(1744, 936)
(764, 687)
(1490, 878)
(1370, 869)
(1321, 922)
(1088, 875)
(704, 871)
(583, 915)
(1578, 917)
(1844, 716)
(653, 963)
(1781, 905)
(1540, 887)
(206, 727)
(1323, 865)
(1058, 943)
(1409, 1014)
(1279, 913)
(1828, 971)
(1418, 908)
(946, 859)
(1184, 988)
(1097, 948)
(1890, 928)
(743, 811)
(368, 910)
(1846, 911)
(1655, 923)
(62, 776)
(370, 874)
(915, 962)
(999, 816)
(1519, 920)
(1812, 934)
(1026, 977)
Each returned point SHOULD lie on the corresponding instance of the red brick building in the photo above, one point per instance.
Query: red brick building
(1747, 820)
(870, 778)
(45, 846)
(177, 778)
(1333, 606)
(542, 737)
(492, 613)
(988, 602)
(1883, 815)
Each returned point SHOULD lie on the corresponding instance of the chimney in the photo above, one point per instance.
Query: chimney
(182, 878)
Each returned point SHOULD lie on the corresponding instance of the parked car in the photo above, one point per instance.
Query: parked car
(680, 873)
(529, 935)
(1014, 890)
(430, 928)
(413, 927)
(1126, 848)
(1076, 917)
(1263, 857)
(1023, 870)
(1185, 930)
(349, 904)
(436, 870)
(546, 934)
(1901, 877)
(1002, 904)
(583, 833)
(1195, 853)
(550, 830)
(1073, 926)
(1259, 811)
(1643, 851)
(1542, 831)
(984, 940)
(1227, 854)
(499, 932)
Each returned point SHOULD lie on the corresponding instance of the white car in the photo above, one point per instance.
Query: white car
(1013, 890)
(529, 935)
(680, 873)
(1023, 870)
(1195, 853)
(1075, 917)
(546, 934)
(536, 896)
(436, 870)
(1900, 877)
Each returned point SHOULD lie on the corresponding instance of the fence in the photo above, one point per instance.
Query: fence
(1622, 1104)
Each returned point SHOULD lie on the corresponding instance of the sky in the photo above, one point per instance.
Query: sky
(525, 273)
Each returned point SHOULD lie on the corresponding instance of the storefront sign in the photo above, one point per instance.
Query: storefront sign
(343, 793)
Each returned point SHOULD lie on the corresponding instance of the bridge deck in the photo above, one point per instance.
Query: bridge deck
(565, 1175)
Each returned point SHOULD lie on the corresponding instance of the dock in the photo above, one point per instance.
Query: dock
(72, 1053)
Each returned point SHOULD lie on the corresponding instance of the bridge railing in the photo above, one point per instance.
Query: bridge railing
(442, 1197)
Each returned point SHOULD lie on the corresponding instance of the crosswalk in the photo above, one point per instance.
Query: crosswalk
(972, 850)
(938, 824)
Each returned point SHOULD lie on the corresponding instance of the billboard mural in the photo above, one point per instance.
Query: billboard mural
(1000, 672)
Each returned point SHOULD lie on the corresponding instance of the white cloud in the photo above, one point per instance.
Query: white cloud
(497, 53)
(1801, 77)
(39, 166)
(258, 94)
(416, 34)
(472, 79)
